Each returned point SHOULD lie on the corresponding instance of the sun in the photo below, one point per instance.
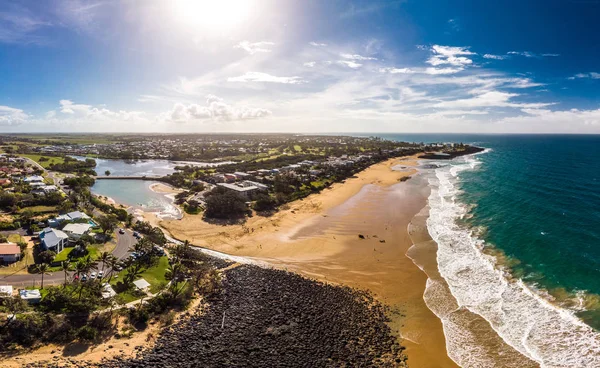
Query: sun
(212, 14)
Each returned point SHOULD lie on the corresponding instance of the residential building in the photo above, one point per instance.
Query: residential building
(77, 215)
(9, 253)
(76, 231)
(31, 296)
(34, 179)
(54, 240)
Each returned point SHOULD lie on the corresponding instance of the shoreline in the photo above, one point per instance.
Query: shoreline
(317, 237)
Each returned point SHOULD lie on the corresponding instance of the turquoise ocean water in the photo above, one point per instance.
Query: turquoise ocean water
(532, 201)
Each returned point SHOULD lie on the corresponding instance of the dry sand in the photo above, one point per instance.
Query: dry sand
(164, 188)
(319, 238)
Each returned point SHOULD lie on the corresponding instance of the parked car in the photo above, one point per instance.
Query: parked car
(92, 275)
(136, 235)
(118, 268)
(84, 277)
(100, 274)
(121, 231)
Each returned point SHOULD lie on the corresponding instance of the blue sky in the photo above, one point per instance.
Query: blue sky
(299, 66)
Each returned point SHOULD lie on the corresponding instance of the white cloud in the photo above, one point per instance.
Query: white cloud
(489, 99)
(12, 116)
(264, 77)
(349, 64)
(591, 75)
(454, 56)
(357, 57)
(430, 71)
(495, 57)
(310, 64)
(529, 54)
(317, 44)
(255, 47)
(214, 110)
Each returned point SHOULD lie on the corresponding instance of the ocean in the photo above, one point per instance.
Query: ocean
(518, 234)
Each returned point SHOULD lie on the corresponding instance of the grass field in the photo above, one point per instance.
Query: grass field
(154, 275)
(45, 164)
(38, 209)
(64, 255)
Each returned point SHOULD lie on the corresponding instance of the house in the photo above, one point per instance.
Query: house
(54, 240)
(9, 253)
(263, 172)
(141, 284)
(6, 291)
(31, 296)
(44, 189)
(260, 186)
(229, 178)
(77, 215)
(240, 175)
(244, 191)
(76, 231)
(34, 179)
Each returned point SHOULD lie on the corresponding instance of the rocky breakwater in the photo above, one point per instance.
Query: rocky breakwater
(272, 318)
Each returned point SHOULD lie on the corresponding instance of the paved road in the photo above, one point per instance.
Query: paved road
(124, 243)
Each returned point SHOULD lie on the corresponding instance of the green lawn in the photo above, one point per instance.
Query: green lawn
(45, 164)
(15, 238)
(64, 255)
(154, 275)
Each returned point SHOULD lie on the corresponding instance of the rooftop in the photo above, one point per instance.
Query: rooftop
(9, 248)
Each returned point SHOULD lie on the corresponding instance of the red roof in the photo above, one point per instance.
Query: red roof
(9, 248)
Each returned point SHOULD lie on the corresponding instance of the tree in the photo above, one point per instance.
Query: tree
(46, 256)
(112, 263)
(65, 266)
(107, 173)
(264, 202)
(225, 205)
(42, 268)
(107, 223)
(104, 258)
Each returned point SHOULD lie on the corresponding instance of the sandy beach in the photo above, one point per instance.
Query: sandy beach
(319, 237)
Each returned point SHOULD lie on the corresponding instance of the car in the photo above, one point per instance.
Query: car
(84, 277)
(100, 274)
(121, 231)
(93, 275)
(136, 235)
(118, 268)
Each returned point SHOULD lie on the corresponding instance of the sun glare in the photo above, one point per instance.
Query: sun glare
(212, 14)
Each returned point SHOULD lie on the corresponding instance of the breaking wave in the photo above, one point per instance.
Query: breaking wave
(547, 334)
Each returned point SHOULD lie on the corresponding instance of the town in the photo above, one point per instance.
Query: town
(67, 250)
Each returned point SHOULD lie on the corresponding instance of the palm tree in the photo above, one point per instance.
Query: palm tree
(112, 263)
(42, 268)
(104, 257)
(66, 267)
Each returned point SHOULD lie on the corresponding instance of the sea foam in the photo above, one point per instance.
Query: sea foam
(547, 334)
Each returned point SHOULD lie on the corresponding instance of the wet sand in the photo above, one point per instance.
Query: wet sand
(319, 237)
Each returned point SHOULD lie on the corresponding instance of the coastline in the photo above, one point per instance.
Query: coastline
(318, 238)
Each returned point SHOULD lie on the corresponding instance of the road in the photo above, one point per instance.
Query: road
(124, 243)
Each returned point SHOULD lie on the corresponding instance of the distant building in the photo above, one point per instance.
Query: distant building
(54, 240)
(9, 253)
(34, 179)
(141, 284)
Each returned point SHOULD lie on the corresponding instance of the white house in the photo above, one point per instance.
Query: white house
(34, 179)
(31, 296)
(54, 240)
(76, 231)
(9, 253)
